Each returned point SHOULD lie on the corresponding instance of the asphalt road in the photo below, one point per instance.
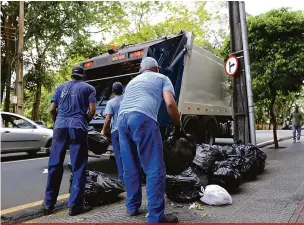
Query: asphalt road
(23, 180)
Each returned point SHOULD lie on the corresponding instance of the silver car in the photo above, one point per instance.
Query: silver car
(20, 134)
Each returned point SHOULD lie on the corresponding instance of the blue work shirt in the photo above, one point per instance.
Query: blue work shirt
(144, 94)
(112, 109)
(72, 99)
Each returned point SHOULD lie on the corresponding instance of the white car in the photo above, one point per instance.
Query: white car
(20, 134)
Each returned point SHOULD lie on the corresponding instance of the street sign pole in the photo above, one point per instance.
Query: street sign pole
(239, 95)
(247, 72)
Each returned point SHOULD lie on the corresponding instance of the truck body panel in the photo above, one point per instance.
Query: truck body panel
(201, 87)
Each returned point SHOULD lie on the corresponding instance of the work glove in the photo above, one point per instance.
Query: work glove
(178, 132)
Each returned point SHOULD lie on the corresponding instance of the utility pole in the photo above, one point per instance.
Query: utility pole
(239, 95)
(247, 72)
(19, 77)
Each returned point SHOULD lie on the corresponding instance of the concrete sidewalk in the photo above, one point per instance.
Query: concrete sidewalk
(276, 196)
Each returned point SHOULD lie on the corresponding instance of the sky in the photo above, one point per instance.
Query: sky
(258, 6)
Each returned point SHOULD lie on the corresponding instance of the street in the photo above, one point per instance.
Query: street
(23, 180)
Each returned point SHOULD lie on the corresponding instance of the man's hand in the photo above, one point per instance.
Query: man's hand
(178, 132)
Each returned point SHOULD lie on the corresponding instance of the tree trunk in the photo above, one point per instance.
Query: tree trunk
(36, 104)
(274, 122)
(8, 88)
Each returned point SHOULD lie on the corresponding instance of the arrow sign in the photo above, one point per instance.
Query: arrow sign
(231, 66)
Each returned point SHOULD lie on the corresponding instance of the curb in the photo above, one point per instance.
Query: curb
(267, 143)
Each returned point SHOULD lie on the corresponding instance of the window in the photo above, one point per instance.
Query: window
(15, 122)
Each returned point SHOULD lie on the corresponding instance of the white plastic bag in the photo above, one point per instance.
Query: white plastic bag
(215, 195)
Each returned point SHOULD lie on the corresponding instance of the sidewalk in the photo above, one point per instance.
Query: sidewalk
(276, 196)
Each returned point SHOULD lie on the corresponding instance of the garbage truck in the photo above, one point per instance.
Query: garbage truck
(202, 90)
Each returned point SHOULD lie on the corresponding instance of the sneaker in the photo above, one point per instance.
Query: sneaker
(47, 210)
(77, 211)
(170, 218)
(294, 140)
(298, 141)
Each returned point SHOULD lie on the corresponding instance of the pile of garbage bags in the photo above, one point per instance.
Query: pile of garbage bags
(97, 143)
(226, 166)
(100, 188)
(179, 153)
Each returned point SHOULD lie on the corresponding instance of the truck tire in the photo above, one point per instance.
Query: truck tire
(210, 132)
(192, 125)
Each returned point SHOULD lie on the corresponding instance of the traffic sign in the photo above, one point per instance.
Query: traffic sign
(231, 66)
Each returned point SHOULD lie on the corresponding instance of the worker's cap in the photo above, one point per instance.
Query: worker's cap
(117, 88)
(78, 71)
(148, 63)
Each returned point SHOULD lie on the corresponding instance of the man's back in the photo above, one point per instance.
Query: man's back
(144, 94)
(113, 108)
(72, 99)
(296, 118)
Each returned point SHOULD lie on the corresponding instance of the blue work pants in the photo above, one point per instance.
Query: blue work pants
(116, 148)
(141, 145)
(76, 140)
(296, 132)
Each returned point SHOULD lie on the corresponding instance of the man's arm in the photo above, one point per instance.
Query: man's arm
(53, 111)
(106, 126)
(92, 110)
(172, 108)
(92, 104)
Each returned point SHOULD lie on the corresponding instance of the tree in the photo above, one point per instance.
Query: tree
(53, 25)
(276, 53)
(177, 17)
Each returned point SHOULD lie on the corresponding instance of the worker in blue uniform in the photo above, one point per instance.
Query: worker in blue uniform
(72, 107)
(111, 112)
(141, 142)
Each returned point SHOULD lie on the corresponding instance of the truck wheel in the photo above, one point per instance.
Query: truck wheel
(193, 126)
(210, 132)
(210, 137)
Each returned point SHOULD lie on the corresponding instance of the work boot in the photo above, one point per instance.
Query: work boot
(77, 211)
(170, 218)
(136, 213)
(47, 210)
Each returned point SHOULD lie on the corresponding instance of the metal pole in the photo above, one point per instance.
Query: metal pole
(247, 72)
(239, 92)
(19, 77)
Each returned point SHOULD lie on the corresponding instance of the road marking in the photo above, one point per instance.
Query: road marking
(29, 205)
(25, 160)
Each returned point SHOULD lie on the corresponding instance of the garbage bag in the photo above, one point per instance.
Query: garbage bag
(97, 143)
(255, 159)
(184, 187)
(226, 175)
(178, 153)
(204, 177)
(100, 188)
(206, 156)
(215, 195)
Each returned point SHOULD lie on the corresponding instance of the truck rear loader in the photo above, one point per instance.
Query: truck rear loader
(201, 86)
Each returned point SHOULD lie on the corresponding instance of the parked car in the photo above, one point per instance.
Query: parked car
(20, 134)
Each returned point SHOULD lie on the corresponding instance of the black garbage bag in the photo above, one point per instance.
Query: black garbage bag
(184, 187)
(100, 188)
(255, 159)
(97, 143)
(178, 153)
(206, 156)
(226, 175)
(204, 177)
